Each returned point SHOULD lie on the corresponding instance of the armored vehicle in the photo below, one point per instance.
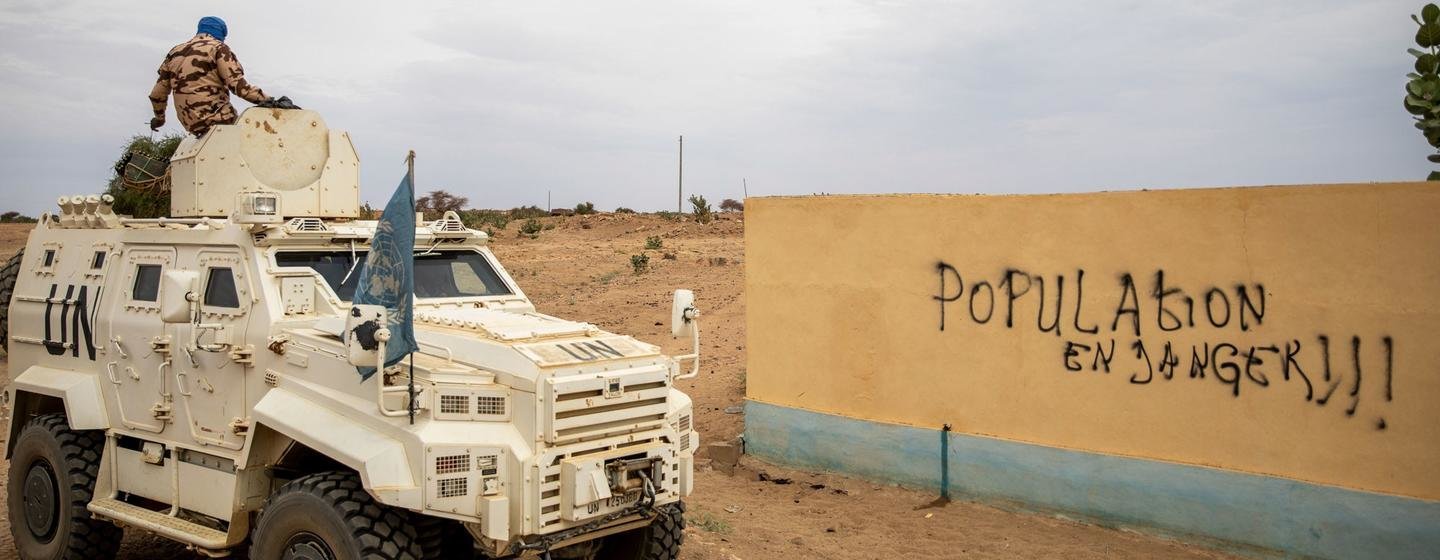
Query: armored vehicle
(189, 376)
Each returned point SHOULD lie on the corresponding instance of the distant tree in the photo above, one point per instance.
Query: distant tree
(1422, 92)
(624, 210)
(13, 217)
(440, 202)
(700, 208)
(527, 212)
(585, 208)
(732, 205)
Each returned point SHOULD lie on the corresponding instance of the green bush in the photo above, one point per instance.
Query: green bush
(526, 212)
(624, 210)
(149, 202)
(654, 242)
(640, 263)
(701, 209)
(585, 208)
(13, 217)
(478, 219)
(531, 227)
(1422, 92)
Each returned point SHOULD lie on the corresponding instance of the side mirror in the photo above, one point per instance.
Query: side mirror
(683, 313)
(178, 295)
(684, 321)
(362, 334)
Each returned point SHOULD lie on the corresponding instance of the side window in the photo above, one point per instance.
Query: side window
(220, 288)
(98, 261)
(147, 283)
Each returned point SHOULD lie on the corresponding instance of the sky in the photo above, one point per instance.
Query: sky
(505, 102)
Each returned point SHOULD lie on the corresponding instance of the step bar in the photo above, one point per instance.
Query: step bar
(160, 523)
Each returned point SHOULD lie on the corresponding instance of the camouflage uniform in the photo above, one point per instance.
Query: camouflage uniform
(202, 72)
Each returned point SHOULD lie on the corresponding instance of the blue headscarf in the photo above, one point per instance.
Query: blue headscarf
(212, 26)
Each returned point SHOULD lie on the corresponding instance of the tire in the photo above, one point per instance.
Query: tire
(8, 275)
(331, 516)
(441, 539)
(660, 540)
(52, 479)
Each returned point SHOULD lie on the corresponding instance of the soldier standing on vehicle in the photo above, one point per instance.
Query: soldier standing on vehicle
(202, 72)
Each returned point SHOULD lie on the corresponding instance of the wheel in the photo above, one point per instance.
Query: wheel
(660, 540)
(8, 275)
(330, 516)
(441, 539)
(52, 479)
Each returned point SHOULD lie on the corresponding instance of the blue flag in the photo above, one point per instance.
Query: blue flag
(388, 277)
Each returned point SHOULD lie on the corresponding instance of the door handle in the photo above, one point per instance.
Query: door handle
(110, 372)
(180, 384)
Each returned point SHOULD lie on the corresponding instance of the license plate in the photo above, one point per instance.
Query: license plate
(622, 500)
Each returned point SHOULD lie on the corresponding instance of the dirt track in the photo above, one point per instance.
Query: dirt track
(581, 270)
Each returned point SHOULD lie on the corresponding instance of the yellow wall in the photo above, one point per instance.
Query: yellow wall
(843, 318)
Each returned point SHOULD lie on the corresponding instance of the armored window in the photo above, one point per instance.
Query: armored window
(98, 261)
(147, 283)
(220, 289)
(442, 274)
(49, 258)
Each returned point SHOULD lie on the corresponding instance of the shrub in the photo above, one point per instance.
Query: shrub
(668, 216)
(531, 227)
(624, 210)
(732, 205)
(585, 208)
(701, 209)
(527, 212)
(640, 263)
(143, 202)
(13, 217)
(478, 219)
(654, 242)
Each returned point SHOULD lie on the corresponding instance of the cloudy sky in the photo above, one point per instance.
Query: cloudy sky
(506, 100)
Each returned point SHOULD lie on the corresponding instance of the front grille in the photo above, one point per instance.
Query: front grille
(450, 464)
(454, 404)
(490, 405)
(452, 487)
(607, 403)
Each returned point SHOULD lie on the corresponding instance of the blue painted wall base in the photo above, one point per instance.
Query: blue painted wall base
(1260, 511)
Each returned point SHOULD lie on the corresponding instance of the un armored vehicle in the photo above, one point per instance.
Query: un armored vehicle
(189, 376)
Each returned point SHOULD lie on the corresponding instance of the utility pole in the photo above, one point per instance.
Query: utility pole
(745, 187)
(680, 196)
(548, 208)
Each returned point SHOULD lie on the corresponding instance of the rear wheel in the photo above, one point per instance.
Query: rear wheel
(660, 540)
(52, 479)
(8, 275)
(330, 516)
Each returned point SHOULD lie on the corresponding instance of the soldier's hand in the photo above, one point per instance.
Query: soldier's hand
(156, 123)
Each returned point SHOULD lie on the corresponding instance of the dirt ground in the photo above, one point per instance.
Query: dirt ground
(581, 269)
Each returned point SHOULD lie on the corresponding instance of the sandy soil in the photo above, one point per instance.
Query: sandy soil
(580, 269)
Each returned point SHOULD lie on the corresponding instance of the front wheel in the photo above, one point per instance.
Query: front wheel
(330, 516)
(52, 479)
(660, 540)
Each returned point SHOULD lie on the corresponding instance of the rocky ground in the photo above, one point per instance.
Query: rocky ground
(581, 269)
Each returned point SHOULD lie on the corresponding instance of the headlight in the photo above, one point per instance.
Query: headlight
(266, 204)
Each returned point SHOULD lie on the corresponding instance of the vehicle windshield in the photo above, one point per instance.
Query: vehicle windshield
(442, 274)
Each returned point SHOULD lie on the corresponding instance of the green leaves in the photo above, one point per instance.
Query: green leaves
(1428, 35)
(1422, 97)
(1425, 63)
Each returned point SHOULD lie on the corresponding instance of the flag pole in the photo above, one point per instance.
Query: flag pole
(410, 390)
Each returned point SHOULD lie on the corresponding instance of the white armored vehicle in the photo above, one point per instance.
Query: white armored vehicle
(188, 376)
